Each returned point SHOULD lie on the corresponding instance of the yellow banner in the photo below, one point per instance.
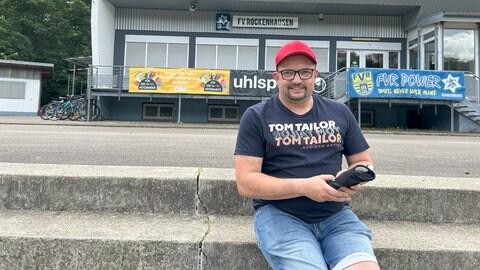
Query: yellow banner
(179, 81)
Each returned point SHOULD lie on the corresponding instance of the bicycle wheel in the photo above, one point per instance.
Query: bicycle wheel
(77, 114)
(70, 113)
(51, 111)
(94, 111)
(41, 112)
(80, 112)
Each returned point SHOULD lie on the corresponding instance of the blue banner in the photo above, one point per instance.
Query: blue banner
(405, 83)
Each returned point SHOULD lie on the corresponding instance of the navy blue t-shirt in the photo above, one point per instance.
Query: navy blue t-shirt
(300, 146)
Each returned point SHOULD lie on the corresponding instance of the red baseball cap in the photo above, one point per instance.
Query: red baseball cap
(294, 48)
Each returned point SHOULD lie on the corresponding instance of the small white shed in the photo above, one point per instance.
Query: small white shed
(21, 86)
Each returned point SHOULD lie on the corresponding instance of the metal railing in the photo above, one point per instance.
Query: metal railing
(329, 86)
(472, 86)
(109, 77)
(333, 86)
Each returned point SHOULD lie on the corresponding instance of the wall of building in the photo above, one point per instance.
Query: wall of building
(28, 105)
(404, 116)
(193, 110)
(103, 32)
(465, 124)
(309, 24)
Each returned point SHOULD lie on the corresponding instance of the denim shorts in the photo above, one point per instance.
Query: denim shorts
(288, 242)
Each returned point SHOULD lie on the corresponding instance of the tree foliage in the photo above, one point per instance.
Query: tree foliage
(46, 31)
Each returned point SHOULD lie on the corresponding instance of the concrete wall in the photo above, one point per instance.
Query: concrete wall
(27, 106)
(396, 116)
(103, 32)
(193, 110)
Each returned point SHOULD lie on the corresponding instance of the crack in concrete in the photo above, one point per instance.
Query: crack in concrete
(199, 205)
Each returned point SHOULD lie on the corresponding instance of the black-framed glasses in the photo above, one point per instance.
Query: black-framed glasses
(304, 74)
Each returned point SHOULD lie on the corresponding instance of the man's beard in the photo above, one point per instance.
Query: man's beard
(296, 98)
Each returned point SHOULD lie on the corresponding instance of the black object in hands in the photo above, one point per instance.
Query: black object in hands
(352, 177)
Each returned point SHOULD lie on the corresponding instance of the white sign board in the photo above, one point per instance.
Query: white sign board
(265, 22)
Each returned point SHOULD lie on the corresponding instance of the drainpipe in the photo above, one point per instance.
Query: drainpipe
(360, 112)
(179, 108)
(452, 113)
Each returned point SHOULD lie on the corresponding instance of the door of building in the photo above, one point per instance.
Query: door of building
(413, 119)
(352, 54)
(366, 59)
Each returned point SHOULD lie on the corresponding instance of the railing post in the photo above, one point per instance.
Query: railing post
(179, 108)
(89, 87)
(452, 116)
(360, 112)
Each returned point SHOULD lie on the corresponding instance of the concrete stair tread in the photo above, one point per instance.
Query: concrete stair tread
(158, 190)
(382, 180)
(386, 234)
(106, 226)
(211, 174)
(226, 229)
(86, 240)
(104, 171)
(426, 182)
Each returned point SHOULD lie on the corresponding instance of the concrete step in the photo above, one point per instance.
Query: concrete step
(466, 110)
(388, 197)
(69, 240)
(472, 114)
(154, 190)
(133, 189)
(83, 240)
(460, 105)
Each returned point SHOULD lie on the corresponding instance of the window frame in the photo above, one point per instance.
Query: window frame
(371, 117)
(158, 106)
(236, 42)
(149, 39)
(223, 118)
(275, 44)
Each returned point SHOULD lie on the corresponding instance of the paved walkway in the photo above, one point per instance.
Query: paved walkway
(35, 120)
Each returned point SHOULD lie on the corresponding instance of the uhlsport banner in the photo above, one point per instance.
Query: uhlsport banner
(261, 83)
(402, 83)
(258, 83)
(179, 81)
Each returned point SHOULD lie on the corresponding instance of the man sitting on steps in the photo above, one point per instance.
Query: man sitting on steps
(288, 147)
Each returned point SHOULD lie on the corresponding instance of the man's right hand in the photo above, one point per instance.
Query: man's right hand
(318, 190)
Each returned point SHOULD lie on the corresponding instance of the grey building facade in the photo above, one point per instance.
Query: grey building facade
(402, 34)
(21, 86)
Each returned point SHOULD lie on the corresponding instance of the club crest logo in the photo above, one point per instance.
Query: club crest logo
(362, 82)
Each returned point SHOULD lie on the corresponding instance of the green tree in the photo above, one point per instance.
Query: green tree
(46, 31)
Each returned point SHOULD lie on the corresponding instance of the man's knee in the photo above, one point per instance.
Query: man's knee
(363, 266)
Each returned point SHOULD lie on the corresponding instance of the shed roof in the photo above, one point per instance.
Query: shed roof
(45, 68)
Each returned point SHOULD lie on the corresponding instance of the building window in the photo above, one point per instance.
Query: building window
(223, 113)
(352, 54)
(341, 59)
(393, 60)
(429, 51)
(459, 52)
(354, 58)
(413, 57)
(320, 48)
(226, 53)
(158, 111)
(12, 90)
(373, 60)
(368, 118)
(156, 51)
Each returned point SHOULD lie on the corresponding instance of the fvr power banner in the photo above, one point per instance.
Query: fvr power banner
(179, 81)
(401, 83)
